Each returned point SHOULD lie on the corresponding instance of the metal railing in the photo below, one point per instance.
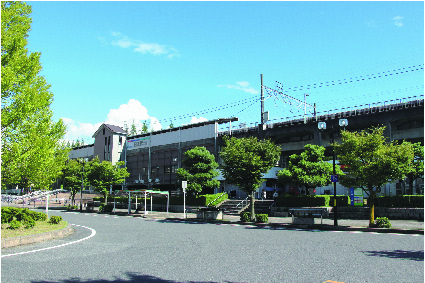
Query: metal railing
(242, 202)
(31, 196)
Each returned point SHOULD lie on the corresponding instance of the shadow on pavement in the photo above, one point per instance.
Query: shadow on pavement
(398, 254)
(131, 278)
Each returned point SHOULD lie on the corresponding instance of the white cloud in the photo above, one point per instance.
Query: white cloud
(195, 120)
(81, 131)
(398, 21)
(244, 85)
(125, 114)
(132, 111)
(144, 47)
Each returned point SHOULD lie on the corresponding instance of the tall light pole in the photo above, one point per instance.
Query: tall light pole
(334, 177)
(82, 187)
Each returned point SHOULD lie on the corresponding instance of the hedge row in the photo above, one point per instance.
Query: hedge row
(311, 201)
(415, 201)
(192, 200)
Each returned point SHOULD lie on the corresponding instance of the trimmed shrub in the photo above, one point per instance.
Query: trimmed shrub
(407, 201)
(14, 224)
(27, 221)
(71, 207)
(106, 208)
(311, 201)
(245, 216)
(40, 216)
(382, 222)
(55, 219)
(6, 216)
(262, 218)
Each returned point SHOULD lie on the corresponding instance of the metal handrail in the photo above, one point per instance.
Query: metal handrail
(246, 199)
(216, 199)
(270, 207)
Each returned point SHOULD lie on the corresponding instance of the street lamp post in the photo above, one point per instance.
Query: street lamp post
(334, 179)
(82, 186)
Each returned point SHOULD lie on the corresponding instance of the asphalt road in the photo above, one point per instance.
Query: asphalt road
(106, 248)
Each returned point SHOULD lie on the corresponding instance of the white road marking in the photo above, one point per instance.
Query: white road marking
(93, 232)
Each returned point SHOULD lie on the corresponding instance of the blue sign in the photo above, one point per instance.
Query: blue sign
(334, 178)
(352, 196)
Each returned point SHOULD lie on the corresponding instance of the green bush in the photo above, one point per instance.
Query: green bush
(245, 216)
(14, 224)
(406, 201)
(71, 207)
(382, 222)
(106, 208)
(311, 201)
(6, 216)
(261, 218)
(27, 221)
(55, 219)
(40, 216)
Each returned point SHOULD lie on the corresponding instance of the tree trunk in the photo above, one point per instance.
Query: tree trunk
(252, 206)
(105, 194)
(371, 202)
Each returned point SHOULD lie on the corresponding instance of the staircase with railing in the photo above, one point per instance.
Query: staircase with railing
(234, 207)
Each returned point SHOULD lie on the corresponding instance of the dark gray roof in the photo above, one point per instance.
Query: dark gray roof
(112, 128)
(116, 129)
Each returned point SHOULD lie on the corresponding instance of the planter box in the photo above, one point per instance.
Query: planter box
(304, 221)
(210, 215)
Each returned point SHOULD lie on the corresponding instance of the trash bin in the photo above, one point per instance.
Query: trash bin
(90, 206)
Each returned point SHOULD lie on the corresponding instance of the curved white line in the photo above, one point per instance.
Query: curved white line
(93, 232)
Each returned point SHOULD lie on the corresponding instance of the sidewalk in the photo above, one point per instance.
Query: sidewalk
(398, 226)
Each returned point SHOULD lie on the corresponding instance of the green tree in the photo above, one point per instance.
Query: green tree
(144, 128)
(372, 162)
(417, 165)
(102, 175)
(199, 170)
(31, 149)
(309, 169)
(133, 130)
(245, 161)
(71, 177)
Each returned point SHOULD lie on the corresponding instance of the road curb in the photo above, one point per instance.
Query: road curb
(35, 238)
(315, 226)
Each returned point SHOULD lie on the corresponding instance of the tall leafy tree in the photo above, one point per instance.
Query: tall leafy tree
(102, 175)
(133, 130)
(372, 162)
(72, 177)
(308, 169)
(199, 170)
(417, 165)
(144, 128)
(31, 149)
(245, 161)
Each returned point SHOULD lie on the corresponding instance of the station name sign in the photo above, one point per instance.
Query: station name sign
(137, 143)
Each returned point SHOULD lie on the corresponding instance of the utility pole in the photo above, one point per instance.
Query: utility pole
(260, 127)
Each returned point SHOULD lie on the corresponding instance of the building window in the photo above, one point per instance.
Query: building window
(120, 141)
(103, 131)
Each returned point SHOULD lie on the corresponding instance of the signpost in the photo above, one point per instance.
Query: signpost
(184, 187)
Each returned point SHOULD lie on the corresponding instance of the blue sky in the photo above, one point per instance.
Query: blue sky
(117, 62)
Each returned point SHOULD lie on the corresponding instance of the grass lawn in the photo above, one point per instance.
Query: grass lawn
(40, 227)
